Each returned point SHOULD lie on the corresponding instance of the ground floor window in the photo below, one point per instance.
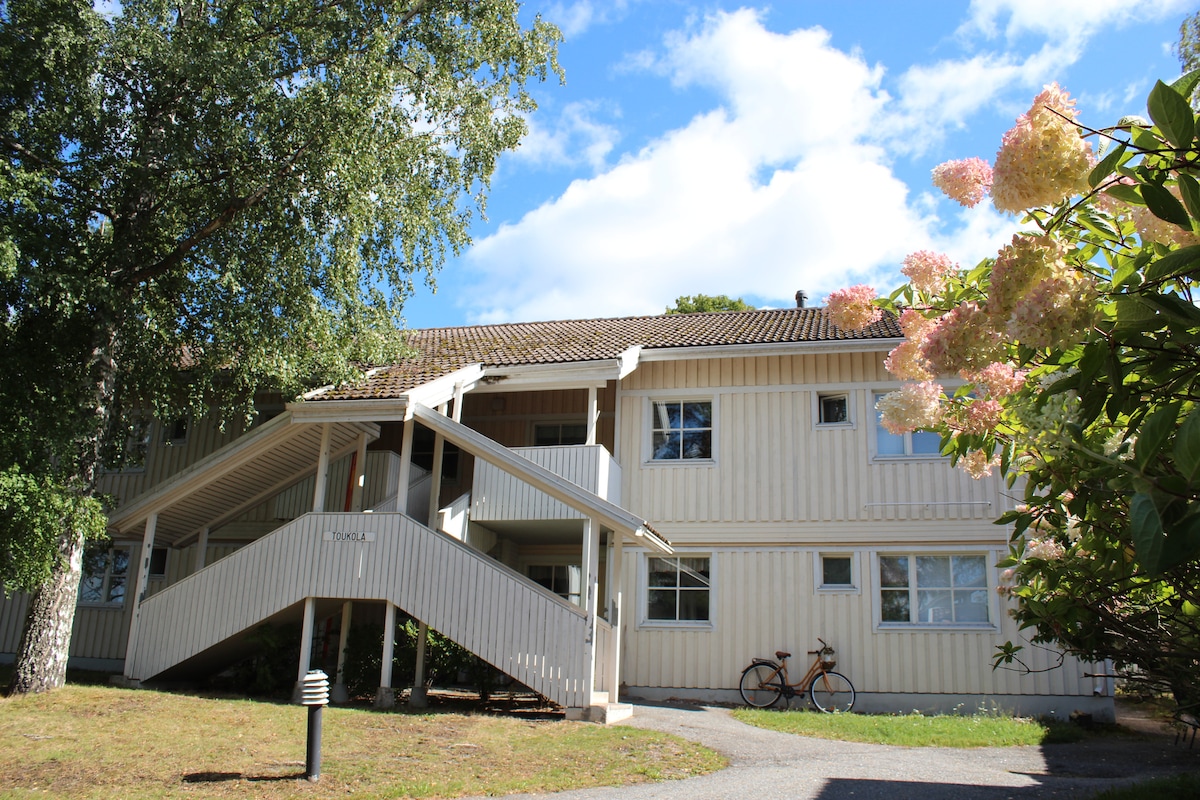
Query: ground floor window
(678, 589)
(565, 580)
(933, 589)
(105, 576)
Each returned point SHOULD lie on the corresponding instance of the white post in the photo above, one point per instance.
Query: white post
(318, 503)
(386, 697)
(591, 564)
(306, 636)
(593, 412)
(360, 471)
(418, 697)
(456, 415)
(614, 617)
(201, 549)
(406, 448)
(435, 482)
(339, 693)
(139, 590)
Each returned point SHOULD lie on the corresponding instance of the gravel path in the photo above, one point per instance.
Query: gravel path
(767, 764)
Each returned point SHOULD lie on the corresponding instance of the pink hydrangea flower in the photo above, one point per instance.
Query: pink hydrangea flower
(1152, 229)
(962, 339)
(1045, 549)
(853, 309)
(906, 362)
(1020, 266)
(981, 416)
(927, 270)
(915, 405)
(1043, 158)
(1055, 312)
(999, 379)
(965, 181)
(915, 325)
(978, 464)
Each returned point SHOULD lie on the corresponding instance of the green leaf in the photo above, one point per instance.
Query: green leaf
(1154, 432)
(1189, 189)
(1163, 205)
(1182, 541)
(1177, 262)
(1126, 194)
(1186, 84)
(1133, 314)
(1124, 273)
(1106, 166)
(1172, 114)
(1172, 307)
(1145, 528)
(1187, 447)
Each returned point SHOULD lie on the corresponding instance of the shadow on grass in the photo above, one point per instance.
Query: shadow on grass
(218, 777)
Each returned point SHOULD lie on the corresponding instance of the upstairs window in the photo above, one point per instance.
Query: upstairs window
(548, 434)
(833, 408)
(681, 430)
(565, 580)
(914, 443)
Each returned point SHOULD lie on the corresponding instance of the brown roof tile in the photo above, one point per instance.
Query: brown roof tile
(444, 350)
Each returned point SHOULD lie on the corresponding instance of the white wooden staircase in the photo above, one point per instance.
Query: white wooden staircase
(507, 620)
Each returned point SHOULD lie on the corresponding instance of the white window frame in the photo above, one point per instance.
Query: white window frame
(648, 429)
(644, 620)
(558, 422)
(819, 585)
(559, 564)
(166, 562)
(169, 439)
(106, 578)
(990, 556)
(847, 394)
(908, 453)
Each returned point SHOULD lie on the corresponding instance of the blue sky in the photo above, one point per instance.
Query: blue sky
(753, 150)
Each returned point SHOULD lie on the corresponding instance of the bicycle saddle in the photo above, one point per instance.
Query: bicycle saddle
(782, 655)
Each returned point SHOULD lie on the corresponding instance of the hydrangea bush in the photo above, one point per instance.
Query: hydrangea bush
(1074, 354)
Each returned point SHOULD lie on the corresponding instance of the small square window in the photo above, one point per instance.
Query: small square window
(836, 571)
(681, 430)
(177, 432)
(833, 409)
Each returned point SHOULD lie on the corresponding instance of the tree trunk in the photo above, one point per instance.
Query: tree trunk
(42, 657)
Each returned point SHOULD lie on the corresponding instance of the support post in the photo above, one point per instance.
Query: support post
(386, 696)
(614, 617)
(435, 482)
(358, 475)
(405, 476)
(139, 590)
(419, 696)
(318, 503)
(590, 563)
(593, 412)
(306, 636)
(339, 693)
(201, 549)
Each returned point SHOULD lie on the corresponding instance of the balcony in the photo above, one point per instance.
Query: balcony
(497, 496)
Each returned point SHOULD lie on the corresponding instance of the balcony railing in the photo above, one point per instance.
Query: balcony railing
(497, 496)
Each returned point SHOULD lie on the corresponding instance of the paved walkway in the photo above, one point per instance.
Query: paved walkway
(767, 764)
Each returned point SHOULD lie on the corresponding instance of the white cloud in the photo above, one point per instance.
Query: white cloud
(1070, 21)
(575, 18)
(575, 138)
(776, 190)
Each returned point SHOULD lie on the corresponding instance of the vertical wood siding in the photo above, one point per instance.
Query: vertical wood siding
(503, 617)
(497, 495)
(764, 600)
(772, 464)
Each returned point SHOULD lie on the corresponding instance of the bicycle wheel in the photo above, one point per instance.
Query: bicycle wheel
(832, 691)
(760, 686)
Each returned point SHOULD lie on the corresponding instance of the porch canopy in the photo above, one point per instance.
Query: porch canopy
(234, 479)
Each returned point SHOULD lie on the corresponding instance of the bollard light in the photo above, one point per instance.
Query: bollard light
(315, 695)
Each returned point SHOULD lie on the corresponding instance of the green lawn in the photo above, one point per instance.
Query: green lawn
(92, 741)
(914, 730)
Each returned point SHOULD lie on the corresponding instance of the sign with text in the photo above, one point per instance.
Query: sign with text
(349, 536)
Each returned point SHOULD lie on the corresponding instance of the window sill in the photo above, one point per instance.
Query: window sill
(101, 606)
(680, 462)
(838, 590)
(948, 627)
(681, 625)
(833, 426)
(878, 459)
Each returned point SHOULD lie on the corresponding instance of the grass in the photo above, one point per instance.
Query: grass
(96, 741)
(915, 730)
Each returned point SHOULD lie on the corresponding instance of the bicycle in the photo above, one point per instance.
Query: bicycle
(765, 681)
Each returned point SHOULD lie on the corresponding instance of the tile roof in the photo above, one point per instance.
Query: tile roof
(444, 350)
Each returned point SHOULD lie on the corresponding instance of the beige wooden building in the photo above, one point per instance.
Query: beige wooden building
(599, 508)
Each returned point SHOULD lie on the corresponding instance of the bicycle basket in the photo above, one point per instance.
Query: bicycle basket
(827, 659)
